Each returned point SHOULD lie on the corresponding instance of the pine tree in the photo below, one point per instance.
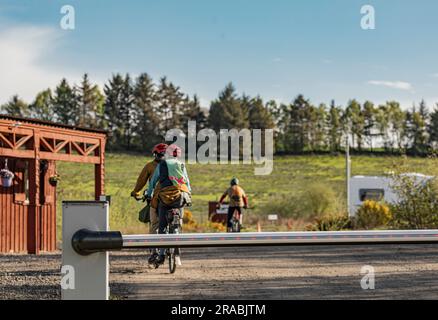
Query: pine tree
(128, 114)
(90, 104)
(170, 103)
(191, 111)
(120, 115)
(397, 119)
(334, 127)
(258, 115)
(42, 108)
(355, 123)
(369, 122)
(319, 133)
(65, 104)
(433, 129)
(382, 124)
(112, 106)
(201, 117)
(145, 103)
(416, 131)
(16, 107)
(227, 112)
(296, 125)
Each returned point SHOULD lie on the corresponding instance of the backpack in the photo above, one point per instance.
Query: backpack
(144, 214)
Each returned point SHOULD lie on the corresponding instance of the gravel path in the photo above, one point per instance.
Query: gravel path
(402, 272)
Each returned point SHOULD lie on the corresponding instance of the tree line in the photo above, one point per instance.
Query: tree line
(138, 112)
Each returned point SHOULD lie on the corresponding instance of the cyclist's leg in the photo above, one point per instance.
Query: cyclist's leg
(153, 226)
(162, 213)
(230, 217)
(239, 209)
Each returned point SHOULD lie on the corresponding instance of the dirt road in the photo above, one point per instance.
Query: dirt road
(402, 272)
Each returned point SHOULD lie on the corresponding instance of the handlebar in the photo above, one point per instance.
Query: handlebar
(143, 198)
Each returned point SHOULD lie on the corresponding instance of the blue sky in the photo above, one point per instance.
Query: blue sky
(275, 48)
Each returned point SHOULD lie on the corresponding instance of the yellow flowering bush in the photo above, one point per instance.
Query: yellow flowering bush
(373, 214)
(189, 221)
(216, 227)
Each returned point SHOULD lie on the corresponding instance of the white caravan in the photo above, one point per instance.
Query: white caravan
(374, 188)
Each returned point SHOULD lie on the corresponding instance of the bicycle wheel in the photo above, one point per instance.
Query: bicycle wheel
(173, 252)
(235, 227)
(178, 250)
(172, 260)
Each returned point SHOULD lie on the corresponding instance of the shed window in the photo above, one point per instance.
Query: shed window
(371, 194)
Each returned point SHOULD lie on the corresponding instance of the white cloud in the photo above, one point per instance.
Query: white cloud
(401, 85)
(25, 66)
(434, 75)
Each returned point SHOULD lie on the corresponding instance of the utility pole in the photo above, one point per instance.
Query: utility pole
(348, 172)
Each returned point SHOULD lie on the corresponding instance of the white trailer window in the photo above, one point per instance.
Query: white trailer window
(371, 194)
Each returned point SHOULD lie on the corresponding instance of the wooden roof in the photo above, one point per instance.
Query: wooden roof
(30, 138)
(50, 124)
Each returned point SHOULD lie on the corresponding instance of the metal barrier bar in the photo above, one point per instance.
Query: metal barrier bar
(85, 241)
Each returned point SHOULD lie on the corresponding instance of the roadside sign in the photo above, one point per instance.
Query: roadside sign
(223, 209)
(272, 217)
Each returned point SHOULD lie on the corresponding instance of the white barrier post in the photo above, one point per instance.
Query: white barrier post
(87, 275)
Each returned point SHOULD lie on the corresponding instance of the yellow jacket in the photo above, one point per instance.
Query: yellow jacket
(236, 195)
(143, 178)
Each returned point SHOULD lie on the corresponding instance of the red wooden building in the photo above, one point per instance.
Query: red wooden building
(30, 148)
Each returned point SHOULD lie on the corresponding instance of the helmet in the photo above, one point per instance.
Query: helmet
(159, 150)
(234, 181)
(174, 151)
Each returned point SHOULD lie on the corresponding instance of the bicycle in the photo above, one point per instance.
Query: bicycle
(236, 221)
(174, 226)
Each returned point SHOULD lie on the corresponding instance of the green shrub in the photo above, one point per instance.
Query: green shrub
(318, 199)
(285, 206)
(313, 201)
(372, 215)
(417, 207)
(335, 222)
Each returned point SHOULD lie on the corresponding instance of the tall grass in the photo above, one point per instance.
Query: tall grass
(300, 187)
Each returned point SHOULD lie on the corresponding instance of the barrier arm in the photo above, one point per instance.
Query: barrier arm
(86, 241)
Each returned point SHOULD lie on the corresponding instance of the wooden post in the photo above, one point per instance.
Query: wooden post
(33, 224)
(99, 171)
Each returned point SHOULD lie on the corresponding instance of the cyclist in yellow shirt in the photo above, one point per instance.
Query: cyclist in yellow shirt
(238, 200)
(145, 176)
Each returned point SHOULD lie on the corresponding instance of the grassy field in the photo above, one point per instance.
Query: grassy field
(296, 183)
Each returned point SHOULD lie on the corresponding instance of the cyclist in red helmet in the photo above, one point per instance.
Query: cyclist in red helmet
(158, 151)
(172, 178)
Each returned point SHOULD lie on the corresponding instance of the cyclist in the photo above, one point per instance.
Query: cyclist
(174, 191)
(238, 200)
(158, 152)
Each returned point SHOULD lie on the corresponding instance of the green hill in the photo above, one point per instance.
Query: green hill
(299, 187)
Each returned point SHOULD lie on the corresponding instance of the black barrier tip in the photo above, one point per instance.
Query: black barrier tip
(85, 242)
